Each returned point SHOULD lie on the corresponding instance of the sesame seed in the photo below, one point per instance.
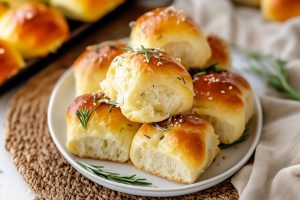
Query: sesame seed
(210, 98)
(222, 91)
(230, 87)
(29, 15)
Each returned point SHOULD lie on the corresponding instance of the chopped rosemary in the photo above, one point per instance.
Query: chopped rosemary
(148, 53)
(129, 124)
(162, 137)
(126, 179)
(147, 136)
(212, 68)
(274, 71)
(156, 125)
(84, 115)
(243, 137)
(112, 46)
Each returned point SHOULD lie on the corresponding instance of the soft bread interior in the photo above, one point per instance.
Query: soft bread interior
(160, 154)
(100, 148)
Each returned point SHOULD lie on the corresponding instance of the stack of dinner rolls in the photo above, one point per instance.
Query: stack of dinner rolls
(141, 103)
(35, 28)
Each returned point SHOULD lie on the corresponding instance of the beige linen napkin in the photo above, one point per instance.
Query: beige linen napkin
(275, 171)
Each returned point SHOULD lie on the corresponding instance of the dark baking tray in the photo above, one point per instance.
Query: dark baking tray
(78, 29)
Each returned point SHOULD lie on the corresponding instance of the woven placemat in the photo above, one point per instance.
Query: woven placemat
(44, 169)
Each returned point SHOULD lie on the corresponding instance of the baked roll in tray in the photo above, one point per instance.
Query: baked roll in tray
(34, 29)
(225, 99)
(179, 148)
(97, 129)
(149, 85)
(175, 32)
(91, 66)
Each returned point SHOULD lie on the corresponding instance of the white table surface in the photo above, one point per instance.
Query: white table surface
(12, 184)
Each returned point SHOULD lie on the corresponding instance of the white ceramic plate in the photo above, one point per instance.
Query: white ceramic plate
(225, 165)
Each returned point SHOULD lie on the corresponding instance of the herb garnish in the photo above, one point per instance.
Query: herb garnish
(212, 68)
(147, 136)
(84, 114)
(148, 53)
(243, 137)
(126, 179)
(156, 125)
(274, 71)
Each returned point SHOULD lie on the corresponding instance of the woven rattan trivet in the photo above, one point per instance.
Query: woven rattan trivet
(47, 173)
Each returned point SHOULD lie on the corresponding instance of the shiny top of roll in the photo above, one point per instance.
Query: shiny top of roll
(153, 60)
(10, 61)
(91, 66)
(225, 88)
(220, 52)
(102, 110)
(280, 10)
(165, 20)
(186, 135)
(34, 28)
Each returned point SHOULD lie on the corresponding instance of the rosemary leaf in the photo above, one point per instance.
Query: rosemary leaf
(84, 115)
(212, 68)
(243, 137)
(273, 70)
(126, 179)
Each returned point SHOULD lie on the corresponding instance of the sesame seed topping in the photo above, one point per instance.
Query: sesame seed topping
(222, 91)
(29, 15)
(210, 98)
(230, 87)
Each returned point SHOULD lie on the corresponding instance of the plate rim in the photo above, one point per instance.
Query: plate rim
(209, 182)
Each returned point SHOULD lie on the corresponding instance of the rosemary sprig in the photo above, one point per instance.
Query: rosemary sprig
(84, 116)
(243, 137)
(126, 179)
(212, 68)
(274, 71)
(148, 52)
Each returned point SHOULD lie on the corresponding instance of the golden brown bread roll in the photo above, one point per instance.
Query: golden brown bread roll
(226, 100)
(86, 10)
(280, 10)
(173, 31)
(149, 85)
(179, 149)
(106, 135)
(3, 9)
(91, 66)
(10, 61)
(34, 29)
(220, 52)
(16, 3)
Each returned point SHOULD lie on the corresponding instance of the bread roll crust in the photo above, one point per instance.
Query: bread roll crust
(91, 66)
(87, 10)
(187, 142)
(173, 31)
(107, 126)
(149, 91)
(10, 61)
(226, 100)
(19, 27)
(280, 10)
(220, 52)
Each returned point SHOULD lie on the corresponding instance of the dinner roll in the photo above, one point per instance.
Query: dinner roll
(34, 29)
(10, 61)
(3, 9)
(226, 100)
(91, 66)
(179, 149)
(280, 10)
(173, 31)
(96, 129)
(220, 52)
(86, 10)
(149, 85)
(16, 3)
